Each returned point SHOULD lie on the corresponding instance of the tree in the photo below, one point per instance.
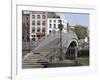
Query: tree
(81, 31)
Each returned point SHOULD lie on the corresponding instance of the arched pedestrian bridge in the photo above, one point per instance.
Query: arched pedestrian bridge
(48, 49)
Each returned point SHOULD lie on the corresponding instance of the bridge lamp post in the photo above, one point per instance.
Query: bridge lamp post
(60, 26)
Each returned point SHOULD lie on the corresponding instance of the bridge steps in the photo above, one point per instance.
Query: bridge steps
(32, 61)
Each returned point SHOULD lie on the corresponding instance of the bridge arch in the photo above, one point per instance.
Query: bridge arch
(72, 49)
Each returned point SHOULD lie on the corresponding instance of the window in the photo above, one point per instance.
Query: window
(43, 23)
(33, 30)
(33, 22)
(33, 35)
(43, 16)
(38, 16)
(59, 21)
(50, 21)
(38, 22)
(33, 39)
(38, 29)
(49, 31)
(43, 30)
(54, 25)
(54, 20)
(33, 16)
(50, 26)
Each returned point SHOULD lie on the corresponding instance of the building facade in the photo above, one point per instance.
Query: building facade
(53, 23)
(38, 25)
(25, 26)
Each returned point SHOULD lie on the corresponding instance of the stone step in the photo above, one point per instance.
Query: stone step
(31, 63)
(35, 55)
(32, 66)
(35, 59)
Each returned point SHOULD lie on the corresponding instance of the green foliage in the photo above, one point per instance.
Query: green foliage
(83, 53)
(81, 31)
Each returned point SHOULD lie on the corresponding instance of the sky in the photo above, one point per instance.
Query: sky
(76, 18)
